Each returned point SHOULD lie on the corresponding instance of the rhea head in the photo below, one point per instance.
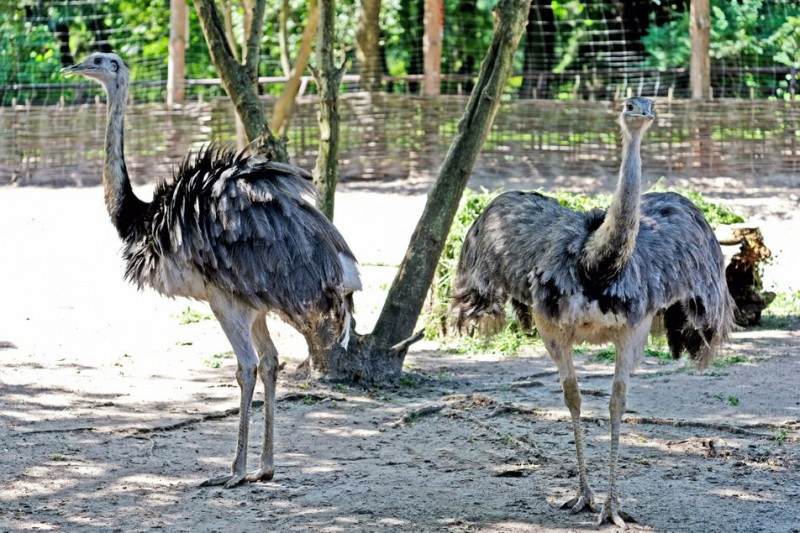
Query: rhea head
(107, 68)
(637, 114)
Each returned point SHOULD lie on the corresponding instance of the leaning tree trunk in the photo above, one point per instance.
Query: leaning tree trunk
(328, 77)
(379, 356)
(239, 79)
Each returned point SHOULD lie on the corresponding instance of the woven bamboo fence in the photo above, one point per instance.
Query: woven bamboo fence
(395, 136)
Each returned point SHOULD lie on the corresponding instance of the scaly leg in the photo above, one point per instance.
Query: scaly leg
(236, 320)
(268, 370)
(630, 351)
(561, 351)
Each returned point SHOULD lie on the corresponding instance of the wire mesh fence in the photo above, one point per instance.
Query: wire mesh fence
(575, 61)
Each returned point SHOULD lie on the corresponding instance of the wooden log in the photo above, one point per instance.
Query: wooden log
(743, 272)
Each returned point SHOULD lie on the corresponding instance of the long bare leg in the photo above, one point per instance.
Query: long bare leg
(560, 349)
(268, 370)
(630, 351)
(236, 320)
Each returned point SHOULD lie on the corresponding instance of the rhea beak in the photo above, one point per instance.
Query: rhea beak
(73, 69)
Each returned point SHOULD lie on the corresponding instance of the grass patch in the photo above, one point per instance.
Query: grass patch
(190, 316)
(722, 362)
(509, 341)
(733, 400)
(215, 361)
(782, 312)
(408, 380)
(607, 355)
(780, 436)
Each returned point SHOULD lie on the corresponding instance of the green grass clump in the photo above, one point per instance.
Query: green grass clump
(715, 214)
(190, 316)
(508, 341)
(215, 361)
(783, 311)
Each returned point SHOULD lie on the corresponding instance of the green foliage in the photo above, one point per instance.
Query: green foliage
(509, 341)
(743, 33)
(730, 360)
(215, 361)
(606, 355)
(783, 310)
(190, 316)
(716, 214)
(27, 55)
(780, 436)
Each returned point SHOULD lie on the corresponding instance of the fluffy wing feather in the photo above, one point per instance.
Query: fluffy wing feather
(527, 247)
(249, 227)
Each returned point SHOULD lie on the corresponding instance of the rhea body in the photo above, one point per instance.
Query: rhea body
(599, 277)
(239, 232)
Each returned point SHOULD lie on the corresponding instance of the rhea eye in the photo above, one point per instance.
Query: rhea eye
(97, 61)
(629, 107)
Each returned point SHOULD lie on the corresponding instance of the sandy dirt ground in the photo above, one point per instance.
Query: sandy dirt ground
(112, 410)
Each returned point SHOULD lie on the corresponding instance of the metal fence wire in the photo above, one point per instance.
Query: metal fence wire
(576, 61)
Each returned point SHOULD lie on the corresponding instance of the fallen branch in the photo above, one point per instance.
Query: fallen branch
(416, 414)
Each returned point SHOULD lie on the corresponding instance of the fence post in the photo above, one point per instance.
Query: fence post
(432, 46)
(178, 40)
(700, 32)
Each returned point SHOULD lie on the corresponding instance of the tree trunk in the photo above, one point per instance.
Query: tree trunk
(178, 39)
(368, 35)
(281, 113)
(700, 32)
(432, 46)
(283, 39)
(379, 356)
(328, 77)
(240, 79)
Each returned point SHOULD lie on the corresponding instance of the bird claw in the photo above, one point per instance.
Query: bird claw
(227, 482)
(584, 499)
(611, 513)
(262, 474)
(231, 481)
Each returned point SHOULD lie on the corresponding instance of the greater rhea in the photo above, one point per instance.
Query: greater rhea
(237, 231)
(599, 277)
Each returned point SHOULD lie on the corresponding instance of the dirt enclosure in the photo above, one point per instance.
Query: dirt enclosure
(115, 405)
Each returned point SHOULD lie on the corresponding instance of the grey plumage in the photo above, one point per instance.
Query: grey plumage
(238, 231)
(600, 276)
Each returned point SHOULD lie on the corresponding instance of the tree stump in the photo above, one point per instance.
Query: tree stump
(743, 272)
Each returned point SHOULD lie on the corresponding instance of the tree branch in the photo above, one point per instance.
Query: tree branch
(253, 37)
(283, 39)
(328, 76)
(281, 111)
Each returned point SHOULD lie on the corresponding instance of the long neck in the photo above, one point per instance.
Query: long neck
(124, 208)
(611, 246)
